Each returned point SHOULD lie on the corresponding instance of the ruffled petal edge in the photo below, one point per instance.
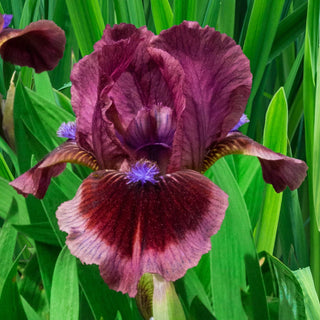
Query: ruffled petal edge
(129, 229)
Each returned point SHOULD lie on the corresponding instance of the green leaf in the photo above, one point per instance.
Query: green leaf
(8, 276)
(211, 13)
(41, 117)
(289, 30)
(10, 294)
(103, 301)
(8, 237)
(64, 302)
(4, 169)
(61, 73)
(191, 286)
(291, 302)
(292, 245)
(30, 312)
(261, 31)
(311, 300)
(122, 12)
(227, 17)
(30, 13)
(316, 138)
(87, 22)
(41, 231)
(136, 13)
(229, 253)
(311, 115)
(43, 86)
(199, 311)
(11, 200)
(63, 101)
(31, 289)
(184, 10)
(13, 157)
(108, 12)
(47, 256)
(276, 122)
(162, 14)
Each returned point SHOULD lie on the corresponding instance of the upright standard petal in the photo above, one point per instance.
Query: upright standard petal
(150, 134)
(130, 228)
(120, 32)
(217, 86)
(153, 78)
(36, 180)
(40, 45)
(279, 170)
(92, 78)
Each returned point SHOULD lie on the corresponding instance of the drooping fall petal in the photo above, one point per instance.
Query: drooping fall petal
(279, 170)
(130, 228)
(36, 180)
(217, 86)
(40, 45)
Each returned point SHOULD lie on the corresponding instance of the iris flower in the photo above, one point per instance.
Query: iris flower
(152, 114)
(40, 45)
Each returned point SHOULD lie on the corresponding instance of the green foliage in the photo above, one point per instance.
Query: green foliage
(276, 121)
(234, 280)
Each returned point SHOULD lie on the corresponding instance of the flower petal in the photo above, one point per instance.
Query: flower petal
(121, 32)
(36, 180)
(92, 78)
(151, 134)
(129, 229)
(279, 170)
(217, 86)
(108, 150)
(154, 78)
(40, 45)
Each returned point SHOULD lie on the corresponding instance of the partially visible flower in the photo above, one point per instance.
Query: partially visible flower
(152, 112)
(39, 45)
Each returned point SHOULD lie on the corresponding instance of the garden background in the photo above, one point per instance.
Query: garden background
(265, 260)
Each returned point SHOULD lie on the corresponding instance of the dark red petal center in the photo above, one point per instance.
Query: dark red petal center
(133, 228)
(151, 134)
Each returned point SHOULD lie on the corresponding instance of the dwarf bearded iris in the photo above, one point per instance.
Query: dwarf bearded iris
(152, 114)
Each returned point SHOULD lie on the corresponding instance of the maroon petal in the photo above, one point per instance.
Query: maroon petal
(84, 94)
(217, 86)
(121, 32)
(40, 45)
(92, 78)
(279, 170)
(36, 180)
(129, 229)
(154, 78)
(108, 150)
(151, 134)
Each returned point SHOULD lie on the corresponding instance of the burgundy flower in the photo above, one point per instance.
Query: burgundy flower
(152, 112)
(40, 45)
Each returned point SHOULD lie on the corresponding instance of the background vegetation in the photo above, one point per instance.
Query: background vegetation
(259, 267)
